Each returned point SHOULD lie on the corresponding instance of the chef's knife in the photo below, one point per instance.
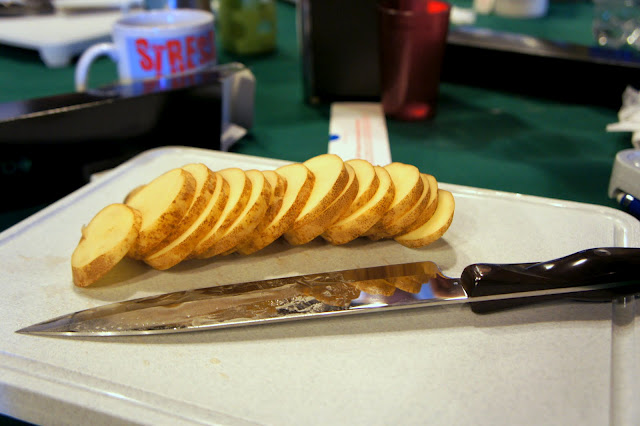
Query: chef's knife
(593, 274)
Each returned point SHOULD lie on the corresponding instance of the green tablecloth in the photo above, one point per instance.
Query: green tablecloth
(480, 137)
(567, 21)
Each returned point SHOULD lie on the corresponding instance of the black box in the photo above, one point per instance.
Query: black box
(51, 146)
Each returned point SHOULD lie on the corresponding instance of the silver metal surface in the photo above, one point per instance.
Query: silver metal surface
(353, 291)
(281, 299)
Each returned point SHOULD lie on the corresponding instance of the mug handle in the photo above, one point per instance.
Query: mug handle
(87, 58)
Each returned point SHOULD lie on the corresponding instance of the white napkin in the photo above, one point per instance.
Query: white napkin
(629, 116)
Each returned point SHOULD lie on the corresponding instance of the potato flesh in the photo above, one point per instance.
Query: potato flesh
(310, 230)
(162, 203)
(300, 182)
(278, 186)
(239, 193)
(182, 247)
(409, 185)
(358, 222)
(433, 228)
(428, 211)
(403, 221)
(205, 186)
(194, 212)
(331, 177)
(368, 183)
(105, 241)
(248, 219)
(408, 188)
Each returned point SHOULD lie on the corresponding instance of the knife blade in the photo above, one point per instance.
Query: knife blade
(592, 274)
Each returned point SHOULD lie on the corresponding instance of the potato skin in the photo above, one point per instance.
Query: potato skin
(154, 231)
(435, 227)
(249, 218)
(309, 231)
(239, 194)
(181, 248)
(90, 260)
(193, 212)
(269, 232)
(355, 225)
(320, 166)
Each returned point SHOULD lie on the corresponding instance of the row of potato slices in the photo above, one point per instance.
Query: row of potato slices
(195, 212)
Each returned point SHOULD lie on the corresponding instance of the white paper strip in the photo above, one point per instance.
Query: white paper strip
(359, 130)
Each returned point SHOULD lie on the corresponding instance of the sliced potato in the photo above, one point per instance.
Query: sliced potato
(105, 241)
(300, 182)
(331, 177)
(408, 284)
(403, 221)
(435, 227)
(358, 222)
(409, 185)
(133, 192)
(239, 194)
(278, 187)
(182, 246)
(194, 212)
(249, 218)
(368, 183)
(428, 211)
(205, 186)
(310, 230)
(413, 283)
(163, 203)
(380, 286)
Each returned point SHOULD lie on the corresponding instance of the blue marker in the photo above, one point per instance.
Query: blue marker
(630, 203)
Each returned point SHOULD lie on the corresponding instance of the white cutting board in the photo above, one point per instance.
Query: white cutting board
(58, 37)
(549, 364)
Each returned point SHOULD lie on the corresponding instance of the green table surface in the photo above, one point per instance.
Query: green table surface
(480, 137)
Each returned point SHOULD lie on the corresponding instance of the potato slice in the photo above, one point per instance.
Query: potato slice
(133, 192)
(249, 218)
(239, 194)
(403, 221)
(278, 187)
(431, 205)
(300, 182)
(331, 179)
(368, 183)
(310, 230)
(182, 246)
(409, 284)
(380, 287)
(413, 283)
(409, 185)
(205, 186)
(358, 222)
(105, 241)
(435, 227)
(163, 203)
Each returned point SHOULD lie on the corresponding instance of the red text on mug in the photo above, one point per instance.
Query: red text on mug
(165, 56)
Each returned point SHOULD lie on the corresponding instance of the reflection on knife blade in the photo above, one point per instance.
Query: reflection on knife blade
(598, 274)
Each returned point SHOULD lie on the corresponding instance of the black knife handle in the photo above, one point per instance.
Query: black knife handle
(587, 267)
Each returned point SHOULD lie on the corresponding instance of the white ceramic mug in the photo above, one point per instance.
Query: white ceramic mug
(153, 44)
